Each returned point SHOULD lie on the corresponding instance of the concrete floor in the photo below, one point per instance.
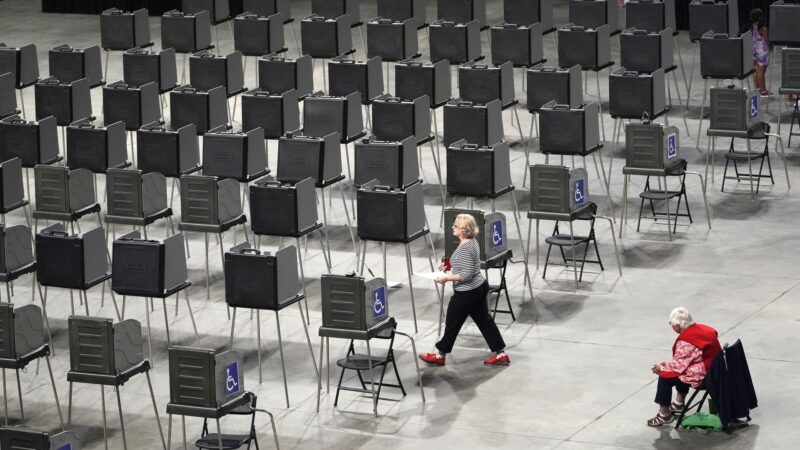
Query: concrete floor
(579, 377)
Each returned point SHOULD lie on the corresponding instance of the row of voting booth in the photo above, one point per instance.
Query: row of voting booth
(225, 183)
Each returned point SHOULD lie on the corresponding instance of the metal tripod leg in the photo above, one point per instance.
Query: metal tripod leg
(574, 262)
(323, 237)
(528, 278)
(691, 75)
(121, 421)
(22, 105)
(525, 145)
(303, 277)
(319, 374)
(325, 222)
(410, 288)
(308, 340)
(5, 399)
(680, 102)
(604, 181)
(440, 294)
(208, 288)
(219, 435)
(149, 331)
(750, 172)
(371, 379)
(600, 105)
(623, 219)
(349, 223)
(191, 314)
(783, 157)
(43, 298)
(55, 393)
(705, 199)
(296, 42)
(105, 424)
(666, 204)
(438, 171)
(702, 110)
(416, 362)
(683, 69)
(283, 362)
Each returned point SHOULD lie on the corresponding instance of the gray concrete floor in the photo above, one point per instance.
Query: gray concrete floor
(579, 377)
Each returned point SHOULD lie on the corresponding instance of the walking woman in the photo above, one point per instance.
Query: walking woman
(469, 297)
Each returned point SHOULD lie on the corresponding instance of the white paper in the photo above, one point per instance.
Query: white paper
(430, 275)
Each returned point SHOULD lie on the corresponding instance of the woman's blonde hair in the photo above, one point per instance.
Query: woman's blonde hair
(680, 316)
(467, 224)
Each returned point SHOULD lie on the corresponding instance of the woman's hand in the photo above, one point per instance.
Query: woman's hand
(443, 279)
(656, 369)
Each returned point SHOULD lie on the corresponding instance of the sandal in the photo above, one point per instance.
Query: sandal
(659, 420)
(676, 408)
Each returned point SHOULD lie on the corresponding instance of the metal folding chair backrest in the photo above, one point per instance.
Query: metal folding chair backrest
(52, 188)
(8, 348)
(124, 192)
(191, 377)
(91, 345)
(13, 191)
(199, 200)
(16, 250)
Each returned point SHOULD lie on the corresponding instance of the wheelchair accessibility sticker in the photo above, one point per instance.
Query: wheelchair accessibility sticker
(580, 191)
(497, 234)
(67, 446)
(672, 146)
(232, 378)
(754, 107)
(379, 302)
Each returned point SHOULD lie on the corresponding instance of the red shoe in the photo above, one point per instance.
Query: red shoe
(432, 359)
(497, 360)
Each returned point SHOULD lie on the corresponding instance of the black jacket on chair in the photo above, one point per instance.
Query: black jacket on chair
(729, 383)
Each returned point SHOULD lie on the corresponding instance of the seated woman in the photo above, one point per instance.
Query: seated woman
(692, 355)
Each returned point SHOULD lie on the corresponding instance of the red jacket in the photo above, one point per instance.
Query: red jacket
(703, 337)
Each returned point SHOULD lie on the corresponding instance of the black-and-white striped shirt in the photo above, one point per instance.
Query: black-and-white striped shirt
(466, 262)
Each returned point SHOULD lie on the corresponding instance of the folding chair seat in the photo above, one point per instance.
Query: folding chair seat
(573, 241)
(760, 133)
(500, 263)
(363, 363)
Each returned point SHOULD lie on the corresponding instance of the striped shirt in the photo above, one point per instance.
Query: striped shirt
(466, 262)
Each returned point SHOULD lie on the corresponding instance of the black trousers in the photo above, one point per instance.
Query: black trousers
(664, 389)
(465, 304)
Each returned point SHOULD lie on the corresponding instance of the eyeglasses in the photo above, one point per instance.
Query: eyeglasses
(457, 227)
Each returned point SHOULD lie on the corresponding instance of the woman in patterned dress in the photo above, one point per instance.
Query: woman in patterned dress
(692, 354)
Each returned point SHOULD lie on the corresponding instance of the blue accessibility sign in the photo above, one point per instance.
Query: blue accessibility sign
(754, 107)
(580, 191)
(67, 446)
(672, 146)
(497, 234)
(232, 379)
(379, 302)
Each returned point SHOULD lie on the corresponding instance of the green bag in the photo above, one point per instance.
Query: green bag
(702, 422)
